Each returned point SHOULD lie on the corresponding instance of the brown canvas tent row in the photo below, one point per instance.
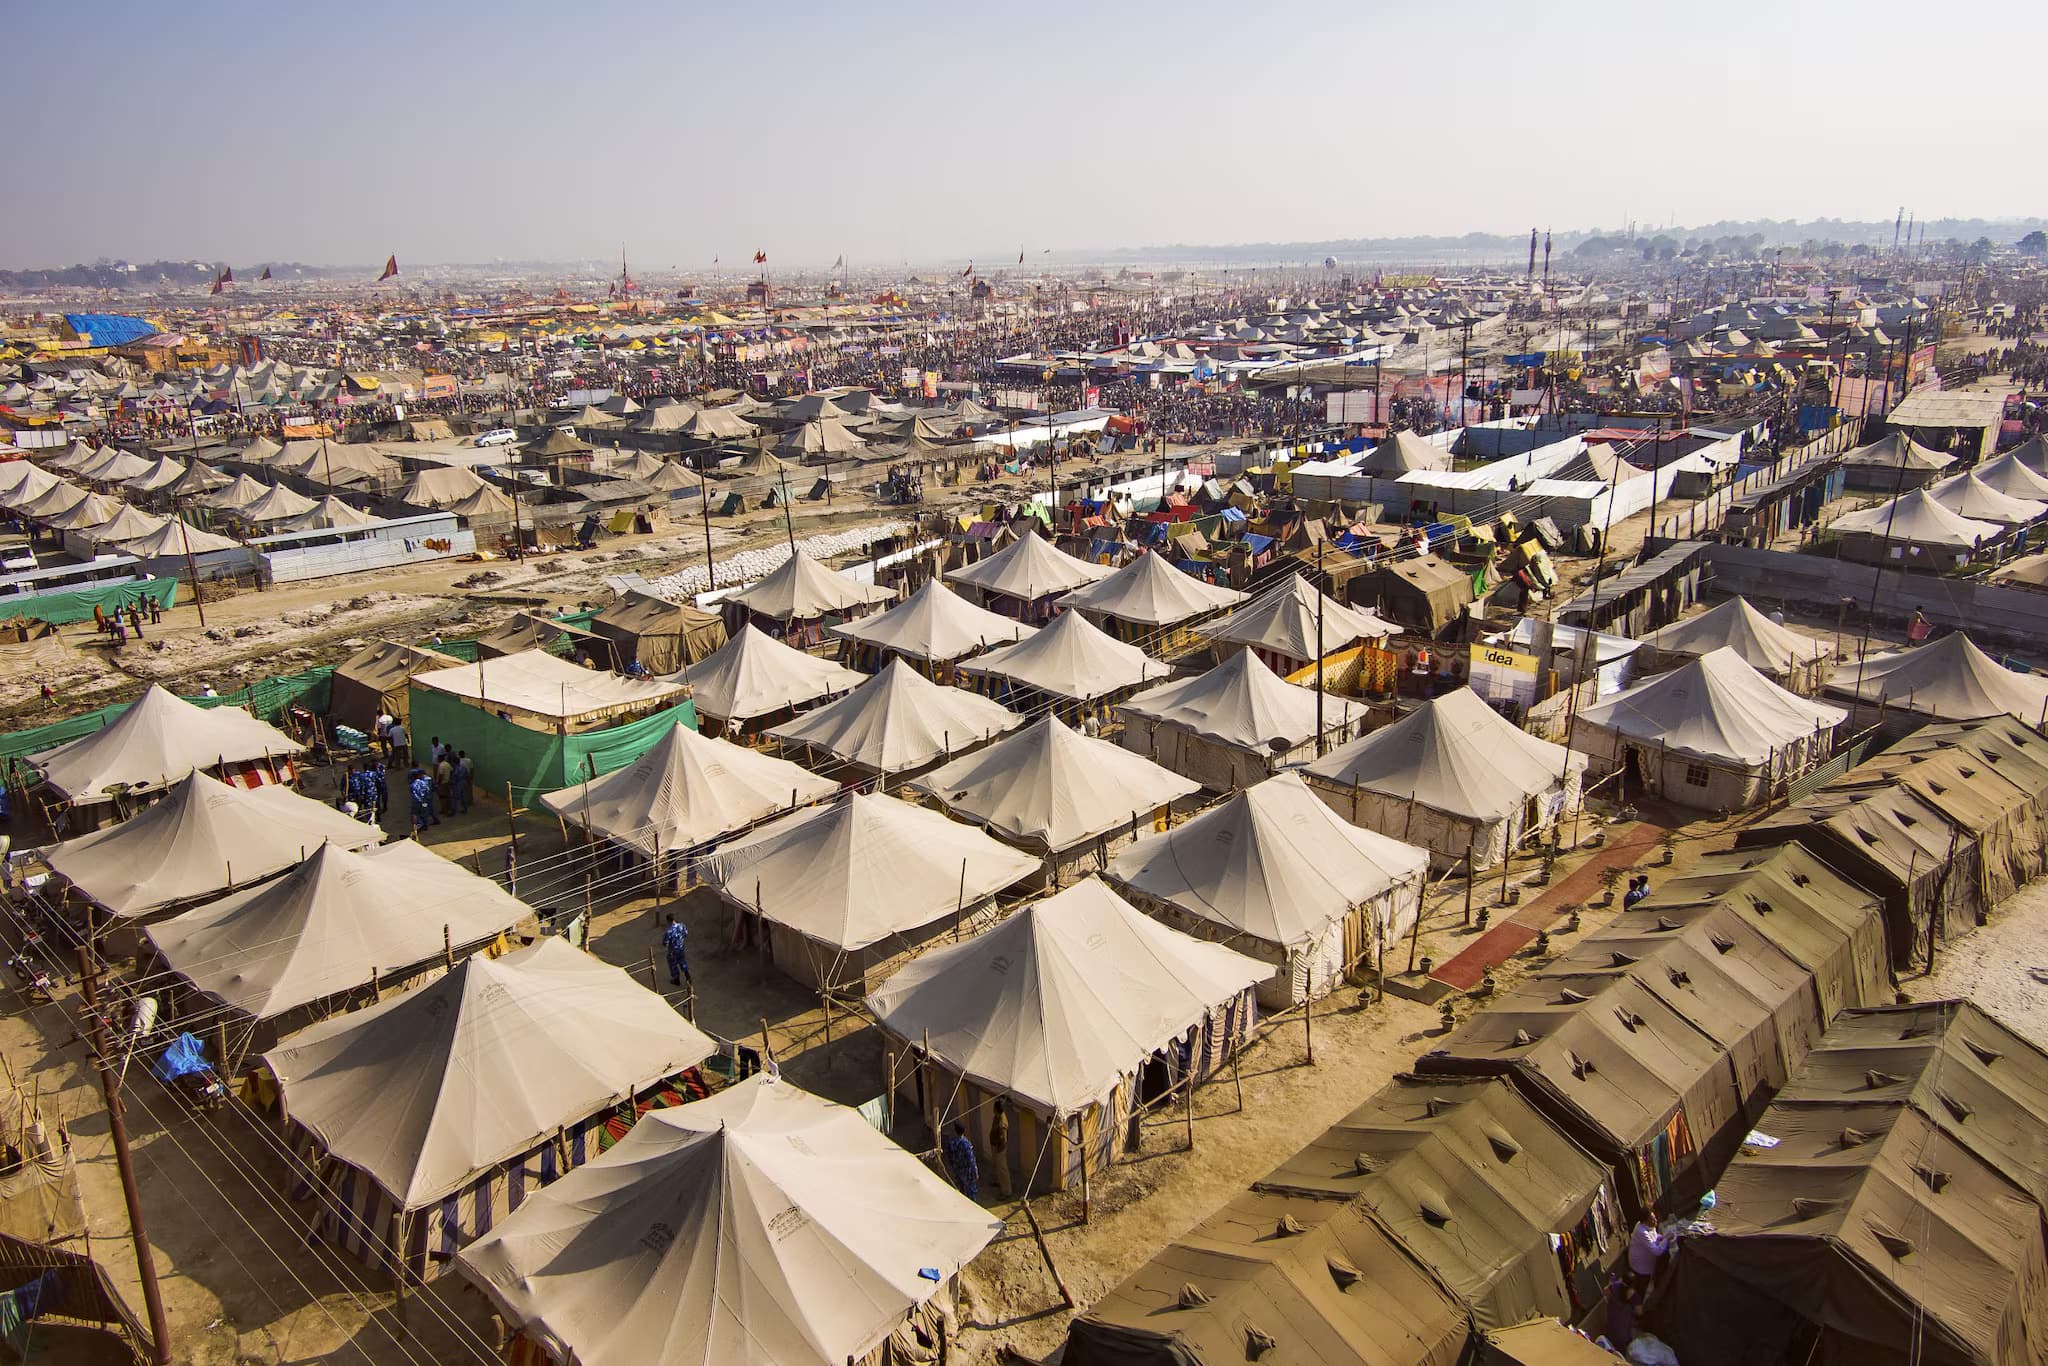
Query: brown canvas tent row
(665, 637)
(374, 680)
(432, 1115)
(1475, 1185)
(700, 1236)
(1276, 1278)
(1274, 873)
(1234, 725)
(1895, 1217)
(1792, 660)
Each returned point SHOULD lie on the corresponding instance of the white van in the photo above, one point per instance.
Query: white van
(501, 436)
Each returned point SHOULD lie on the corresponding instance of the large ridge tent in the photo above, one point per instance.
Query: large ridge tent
(1276, 874)
(754, 675)
(1234, 725)
(1793, 661)
(203, 838)
(897, 722)
(1453, 776)
(801, 594)
(1058, 794)
(761, 1227)
(1917, 530)
(158, 740)
(1949, 679)
(687, 790)
(1968, 496)
(374, 680)
(1892, 461)
(441, 486)
(848, 889)
(1076, 1010)
(1147, 596)
(1024, 578)
(1072, 662)
(529, 631)
(431, 1116)
(2011, 476)
(1712, 733)
(932, 627)
(663, 636)
(1283, 624)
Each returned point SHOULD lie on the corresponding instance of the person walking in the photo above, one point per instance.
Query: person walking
(465, 779)
(675, 939)
(957, 1151)
(399, 743)
(419, 790)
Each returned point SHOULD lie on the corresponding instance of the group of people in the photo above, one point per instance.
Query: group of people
(125, 621)
(448, 777)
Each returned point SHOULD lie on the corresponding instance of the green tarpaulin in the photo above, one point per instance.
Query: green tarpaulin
(535, 761)
(267, 699)
(61, 609)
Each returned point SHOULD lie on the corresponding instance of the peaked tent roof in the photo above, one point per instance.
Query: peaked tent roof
(1916, 517)
(1737, 626)
(156, 741)
(441, 486)
(24, 483)
(175, 537)
(1052, 786)
(331, 925)
(1240, 702)
(899, 720)
(1896, 449)
(790, 1233)
(2013, 477)
(1966, 495)
(1029, 567)
(753, 674)
(277, 504)
(1067, 995)
(199, 477)
(1401, 452)
(434, 1085)
(326, 514)
(56, 497)
(800, 588)
(1149, 591)
(686, 790)
(864, 868)
(127, 524)
(95, 509)
(934, 623)
(1716, 707)
(1453, 753)
(238, 492)
(203, 836)
(1274, 862)
(1070, 657)
(718, 424)
(1949, 678)
(1283, 619)
(162, 473)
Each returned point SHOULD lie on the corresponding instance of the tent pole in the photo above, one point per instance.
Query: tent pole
(1067, 1299)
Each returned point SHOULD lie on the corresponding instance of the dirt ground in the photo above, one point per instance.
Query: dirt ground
(1996, 966)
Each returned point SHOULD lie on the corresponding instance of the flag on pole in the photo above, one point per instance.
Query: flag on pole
(1020, 256)
(390, 269)
(216, 285)
(265, 275)
(760, 258)
(967, 272)
(840, 263)
(227, 275)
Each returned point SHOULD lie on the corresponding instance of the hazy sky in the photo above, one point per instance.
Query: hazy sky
(466, 130)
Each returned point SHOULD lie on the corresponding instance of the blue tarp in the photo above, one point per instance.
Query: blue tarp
(1230, 514)
(109, 329)
(185, 1057)
(1257, 544)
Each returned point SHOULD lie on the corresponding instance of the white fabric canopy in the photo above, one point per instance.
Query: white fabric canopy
(1273, 862)
(2011, 476)
(899, 720)
(176, 537)
(1282, 620)
(1919, 519)
(1049, 786)
(1149, 591)
(155, 742)
(535, 681)
(23, 488)
(1062, 999)
(686, 790)
(1714, 707)
(277, 504)
(761, 1227)
(1949, 678)
(1895, 450)
(934, 623)
(202, 837)
(1071, 657)
(1454, 754)
(802, 589)
(753, 674)
(1029, 568)
(864, 868)
(430, 1087)
(1241, 702)
(1968, 496)
(1737, 626)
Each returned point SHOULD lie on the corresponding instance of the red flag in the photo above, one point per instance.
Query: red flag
(227, 275)
(967, 272)
(760, 258)
(390, 269)
(265, 275)
(216, 285)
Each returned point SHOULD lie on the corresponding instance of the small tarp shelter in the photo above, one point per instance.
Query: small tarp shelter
(39, 1199)
(432, 1115)
(1147, 596)
(1071, 661)
(1274, 873)
(374, 680)
(1896, 1217)
(342, 921)
(1788, 658)
(1478, 1186)
(1023, 578)
(688, 790)
(1948, 679)
(1712, 733)
(203, 838)
(754, 675)
(1078, 1009)
(158, 740)
(664, 636)
(442, 486)
(1968, 496)
(849, 888)
(896, 722)
(1280, 624)
(1234, 725)
(800, 590)
(761, 1227)
(1453, 776)
(1058, 794)
(176, 538)
(1922, 532)
(933, 626)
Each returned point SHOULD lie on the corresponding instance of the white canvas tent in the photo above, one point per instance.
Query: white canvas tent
(848, 887)
(801, 589)
(1948, 679)
(1276, 874)
(176, 537)
(897, 722)
(1968, 496)
(1056, 793)
(539, 684)
(754, 675)
(1234, 725)
(761, 1227)
(1027, 574)
(203, 838)
(1148, 594)
(2013, 477)
(1071, 660)
(1076, 1009)
(1453, 776)
(686, 790)
(277, 504)
(933, 626)
(434, 1114)
(1788, 658)
(1712, 733)
(1281, 625)
(155, 742)
(1914, 525)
